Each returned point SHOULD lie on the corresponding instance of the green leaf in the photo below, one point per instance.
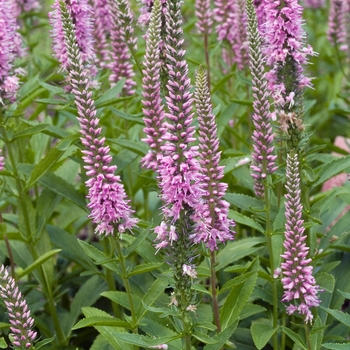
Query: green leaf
(342, 317)
(202, 337)
(50, 160)
(139, 269)
(250, 310)
(331, 169)
(109, 333)
(139, 240)
(245, 220)
(30, 131)
(236, 250)
(56, 90)
(337, 346)
(141, 340)
(87, 295)
(346, 295)
(99, 257)
(136, 119)
(295, 337)
(317, 334)
(110, 96)
(247, 203)
(262, 331)
(44, 342)
(326, 281)
(38, 262)
(139, 148)
(95, 321)
(121, 298)
(3, 344)
(153, 293)
(236, 300)
(222, 337)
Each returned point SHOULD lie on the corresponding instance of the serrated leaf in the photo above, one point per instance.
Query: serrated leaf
(337, 346)
(38, 262)
(44, 342)
(250, 310)
(236, 300)
(139, 148)
(200, 288)
(262, 331)
(100, 321)
(245, 202)
(342, 317)
(295, 337)
(139, 269)
(245, 220)
(109, 333)
(331, 169)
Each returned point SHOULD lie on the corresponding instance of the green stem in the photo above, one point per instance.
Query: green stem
(116, 243)
(213, 293)
(283, 340)
(46, 287)
(272, 267)
(207, 60)
(307, 334)
(110, 279)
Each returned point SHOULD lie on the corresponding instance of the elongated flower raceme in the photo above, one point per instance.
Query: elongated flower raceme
(151, 84)
(107, 197)
(10, 49)
(287, 54)
(122, 42)
(219, 227)
(102, 28)
(231, 19)
(314, 4)
(146, 9)
(263, 157)
(337, 31)
(299, 285)
(80, 12)
(19, 314)
(204, 15)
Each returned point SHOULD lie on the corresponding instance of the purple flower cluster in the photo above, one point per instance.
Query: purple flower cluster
(285, 51)
(146, 9)
(231, 19)
(151, 84)
(263, 157)
(102, 28)
(28, 5)
(107, 197)
(10, 49)
(122, 41)
(179, 169)
(80, 12)
(337, 31)
(215, 208)
(17, 309)
(298, 282)
(314, 4)
(204, 15)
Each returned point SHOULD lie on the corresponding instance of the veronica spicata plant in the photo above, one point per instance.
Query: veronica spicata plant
(107, 197)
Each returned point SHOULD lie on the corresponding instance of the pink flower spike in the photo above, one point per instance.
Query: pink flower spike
(298, 282)
(17, 310)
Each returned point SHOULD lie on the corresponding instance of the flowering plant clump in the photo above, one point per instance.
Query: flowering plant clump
(171, 175)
